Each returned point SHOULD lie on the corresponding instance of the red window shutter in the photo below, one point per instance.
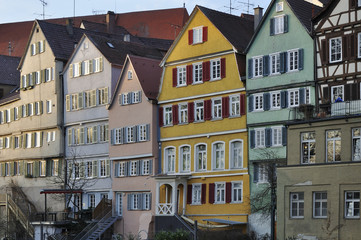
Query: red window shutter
(175, 71)
(205, 34)
(189, 74)
(228, 192)
(223, 67)
(190, 37)
(191, 112)
(206, 71)
(203, 195)
(208, 109)
(175, 114)
(243, 104)
(189, 194)
(211, 193)
(225, 107)
(161, 117)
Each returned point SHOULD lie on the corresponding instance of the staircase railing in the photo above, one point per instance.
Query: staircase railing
(190, 229)
(20, 216)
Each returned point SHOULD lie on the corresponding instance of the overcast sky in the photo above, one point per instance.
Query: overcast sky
(28, 10)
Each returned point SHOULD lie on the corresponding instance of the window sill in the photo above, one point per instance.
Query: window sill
(219, 203)
(236, 202)
(235, 116)
(201, 121)
(185, 123)
(197, 83)
(297, 218)
(216, 119)
(215, 79)
(196, 204)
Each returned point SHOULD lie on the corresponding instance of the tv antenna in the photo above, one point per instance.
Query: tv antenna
(96, 12)
(44, 4)
(248, 4)
(230, 7)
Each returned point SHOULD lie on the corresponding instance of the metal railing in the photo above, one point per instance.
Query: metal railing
(346, 108)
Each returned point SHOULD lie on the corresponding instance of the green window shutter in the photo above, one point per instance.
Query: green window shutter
(71, 73)
(41, 107)
(95, 168)
(48, 167)
(24, 140)
(80, 100)
(36, 169)
(26, 110)
(42, 75)
(21, 82)
(20, 141)
(21, 168)
(32, 140)
(12, 114)
(81, 140)
(5, 116)
(60, 167)
(106, 133)
(81, 170)
(67, 103)
(41, 138)
(80, 68)
(95, 134)
(20, 112)
(106, 96)
(43, 45)
(2, 169)
(12, 145)
(107, 169)
(91, 66)
(37, 47)
(93, 97)
(101, 64)
(70, 137)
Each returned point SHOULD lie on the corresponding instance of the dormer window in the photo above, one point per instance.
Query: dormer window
(197, 35)
(279, 7)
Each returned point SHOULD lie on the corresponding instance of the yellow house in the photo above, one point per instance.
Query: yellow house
(203, 134)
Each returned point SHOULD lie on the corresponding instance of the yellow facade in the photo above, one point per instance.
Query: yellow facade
(208, 132)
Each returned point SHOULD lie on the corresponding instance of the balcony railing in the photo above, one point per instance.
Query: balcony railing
(165, 209)
(346, 108)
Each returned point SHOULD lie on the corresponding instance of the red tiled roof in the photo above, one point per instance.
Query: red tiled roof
(164, 24)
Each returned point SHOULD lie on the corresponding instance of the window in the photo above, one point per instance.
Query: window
(196, 193)
(91, 203)
(139, 201)
(16, 142)
(237, 188)
(197, 73)
(168, 115)
(276, 136)
(337, 93)
(218, 156)
(275, 63)
(258, 102)
(220, 191)
(197, 35)
(201, 157)
(16, 113)
(136, 97)
(134, 201)
(279, 24)
(146, 167)
(90, 98)
(356, 144)
(352, 204)
(198, 111)
(122, 166)
(48, 106)
(37, 77)
(333, 146)
(74, 101)
(55, 167)
(28, 140)
(89, 169)
(320, 204)
(181, 76)
(8, 115)
(185, 157)
(104, 196)
(293, 60)
(261, 172)
(126, 98)
(130, 134)
(17, 168)
(183, 113)
(7, 142)
(130, 74)
(48, 75)
(119, 203)
(103, 96)
(279, 7)
(103, 168)
(359, 40)
(33, 49)
(118, 136)
(77, 204)
(297, 205)
(133, 168)
(275, 100)
(142, 133)
(217, 108)
(335, 49)
(89, 135)
(235, 105)
(7, 169)
(236, 154)
(170, 160)
(308, 147)
(146, 201)
(42, 168)
(259, 138)
(98, 62)
(86, 67)
(29, 168)
(76, 170)
(77, 69)
(41, 46)
(104, 133)
(293, 98)
(215, 69)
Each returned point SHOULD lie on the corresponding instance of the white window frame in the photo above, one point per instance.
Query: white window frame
(218, 155)
(126, 99)
(122, 169)
(169, 158)
(185, 158)
(236, 151)
(236, 191)
(198, 35)
(118, 136)
(183, 113)
(37, 77)
(96, 65)
(275, 63)
(133, 168)
(42, 168)
(48, 106)
(318, 199)
(220, 192)
(129, 133)
(200, 153)
(308, 140)
(7, 142)
(136, 96)
(198, 111)
(334, 141)
(33, 49)
(279, 7)
(359, 41)
(197, 73)
(8, 115)
(350, 204)
(216, 108)
(30, 168)
(146, 167)
(130, 74)
(293, 60)
(337, 91)
(279, 24)
(235, 105)
(356, 144)
(275, 100)
(215, 68)
(181, 76)
(77, 69)
(142, 133)
(55, 167)
(295, 197)
(196, 194)
(258, 102)
(168, 115)
(89, 169)
(260, 137)
(91, 200)
(277, 136)
(293, 97)
(119, 203)
(336, 50)
(263, 172)
(37, 139)
(102, 168)
(28, 140)
(103, 96)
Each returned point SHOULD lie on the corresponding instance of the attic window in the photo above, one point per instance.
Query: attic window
(86, 45)
(279, 7)
(110, 45)
(130, 75)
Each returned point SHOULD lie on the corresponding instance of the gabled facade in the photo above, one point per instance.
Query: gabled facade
(280, 83)
(203, 172)
(134, 150)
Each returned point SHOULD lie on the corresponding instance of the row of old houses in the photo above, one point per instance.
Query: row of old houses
(220, 126)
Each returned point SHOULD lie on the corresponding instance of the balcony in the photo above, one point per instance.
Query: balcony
(346, 108)
(165, 209)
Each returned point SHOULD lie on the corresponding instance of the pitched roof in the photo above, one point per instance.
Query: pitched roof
(148, 72)
(116, 50)
(9, 74)
(164, 24)
(102, 27)
(238, 30)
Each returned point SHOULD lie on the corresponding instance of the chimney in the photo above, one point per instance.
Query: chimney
(258, 13)
(69, 26)
(110, 22)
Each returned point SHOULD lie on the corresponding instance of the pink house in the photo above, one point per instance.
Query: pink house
(134, 145)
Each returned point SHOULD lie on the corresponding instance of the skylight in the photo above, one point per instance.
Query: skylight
(110, 45)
